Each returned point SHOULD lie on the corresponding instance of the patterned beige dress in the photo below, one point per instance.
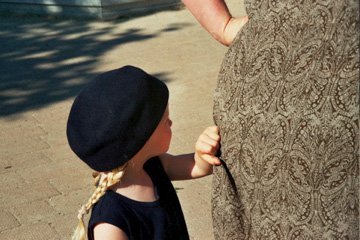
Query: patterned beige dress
(287, 104)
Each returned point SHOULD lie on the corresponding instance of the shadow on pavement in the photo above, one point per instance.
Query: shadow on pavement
(43, 61)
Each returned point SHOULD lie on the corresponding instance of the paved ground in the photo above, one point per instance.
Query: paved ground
(44, 63)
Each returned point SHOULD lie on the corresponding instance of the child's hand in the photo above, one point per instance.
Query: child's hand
(207, 145)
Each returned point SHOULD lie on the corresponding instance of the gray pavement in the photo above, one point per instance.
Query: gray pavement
(45, 62)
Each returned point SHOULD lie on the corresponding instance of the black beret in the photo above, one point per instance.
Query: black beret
(114, 115)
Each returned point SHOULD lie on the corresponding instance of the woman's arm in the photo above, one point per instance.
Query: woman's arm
(215, 17)
(198, 164)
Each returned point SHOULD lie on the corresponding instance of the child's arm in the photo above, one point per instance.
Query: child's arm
(198, 164)
(106, 231)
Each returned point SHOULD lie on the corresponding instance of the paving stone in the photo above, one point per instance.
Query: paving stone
(10, 181)
(66, 224)
(22, 161)
(69, 183)
(59, 153)
(22, 145)
(71, 202)
(195, 198)
(7, 221)
(56, 139)
(55, 129)
(52, 170)
(54, 113)
(5, 166)
(37, 211)
(22, 132)
(38, 231)
(27, 193)
(17, 121)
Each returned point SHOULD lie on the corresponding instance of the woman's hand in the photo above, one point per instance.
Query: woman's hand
(215, 17)
(233, 26)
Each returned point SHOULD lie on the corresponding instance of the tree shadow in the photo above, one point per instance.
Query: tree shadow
(44, 60)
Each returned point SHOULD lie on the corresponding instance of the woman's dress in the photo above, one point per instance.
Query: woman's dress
(287, 104)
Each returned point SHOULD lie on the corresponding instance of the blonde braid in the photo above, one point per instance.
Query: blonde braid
(102, 183)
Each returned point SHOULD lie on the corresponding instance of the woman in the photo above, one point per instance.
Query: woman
(287, 104)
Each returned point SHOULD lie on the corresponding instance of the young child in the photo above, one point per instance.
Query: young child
(119, 125)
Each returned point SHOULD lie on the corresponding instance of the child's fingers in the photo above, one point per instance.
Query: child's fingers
(207, 145)
(203, 147)
(209, 140)
(212, 128)
(211, 159)
(213, 132)
(213, 136)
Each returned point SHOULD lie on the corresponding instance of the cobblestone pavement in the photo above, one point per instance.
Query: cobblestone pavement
(45, 62)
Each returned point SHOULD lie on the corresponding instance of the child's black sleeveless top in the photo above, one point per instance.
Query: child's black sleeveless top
(159, 220)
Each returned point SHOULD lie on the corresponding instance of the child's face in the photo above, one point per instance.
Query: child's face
(162, 135)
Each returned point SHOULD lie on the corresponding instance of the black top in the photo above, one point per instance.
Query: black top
(158, 220)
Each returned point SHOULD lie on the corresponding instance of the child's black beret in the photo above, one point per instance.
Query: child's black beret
(114, 115)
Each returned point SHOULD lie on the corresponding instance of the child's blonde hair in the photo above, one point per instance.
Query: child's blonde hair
(102, 183)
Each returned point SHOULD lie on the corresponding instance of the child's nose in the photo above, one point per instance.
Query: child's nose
(170, 123)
